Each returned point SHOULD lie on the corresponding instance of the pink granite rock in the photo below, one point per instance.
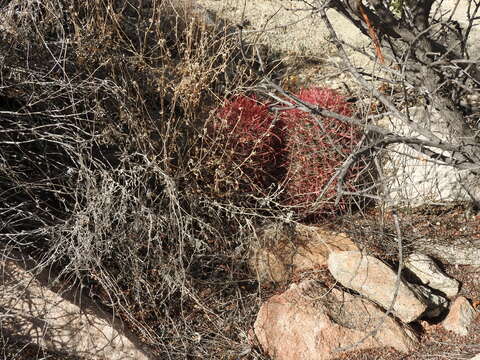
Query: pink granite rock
(312, 322)
(77, 326)
(460, 316)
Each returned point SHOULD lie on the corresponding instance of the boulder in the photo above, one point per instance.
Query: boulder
(423, 267)
(375, 280)
(71, 323)
(411, 178)
(278, 251)
(460, 317)
(457, 252)
(312, 322)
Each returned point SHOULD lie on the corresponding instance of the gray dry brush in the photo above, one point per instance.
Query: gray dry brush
(108, 170)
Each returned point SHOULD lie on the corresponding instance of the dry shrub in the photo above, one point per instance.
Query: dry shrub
(317, 148)
(105, 160)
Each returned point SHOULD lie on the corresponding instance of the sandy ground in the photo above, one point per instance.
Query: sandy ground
(298, 36)
(292, 30)
(290, 26)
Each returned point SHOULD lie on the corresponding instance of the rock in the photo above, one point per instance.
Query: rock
(457, 252)
(460, 317)
(373, 279)
(476, 357)
(311, 322)
(430, 274)
(411, 178)
(279, 251)
(40, 316)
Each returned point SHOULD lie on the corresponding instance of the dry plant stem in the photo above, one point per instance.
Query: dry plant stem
(102, 164)
(456, 158)
(420, 71)
(372, 32)
(388, 104)
(341, 173)
(386, 139)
